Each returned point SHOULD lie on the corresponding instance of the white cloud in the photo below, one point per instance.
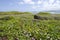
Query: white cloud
(28, 2)
(34, 7)
(31, 3)
(58, 1)
(51, 1)
(39, 2)
(50, 6)
(45, 5)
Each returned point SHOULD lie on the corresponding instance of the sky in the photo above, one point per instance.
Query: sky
(29, 5)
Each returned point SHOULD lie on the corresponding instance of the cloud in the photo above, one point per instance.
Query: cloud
(34, 7)
(28, 2)
(44, 5)
(31, 2)
(51, 1)
(51, 6)
(58, 1)
(39, 2)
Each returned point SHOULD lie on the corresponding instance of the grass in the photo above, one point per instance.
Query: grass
(24, 27)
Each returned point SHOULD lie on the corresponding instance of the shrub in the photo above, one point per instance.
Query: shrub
(43, 13)
(6, 18)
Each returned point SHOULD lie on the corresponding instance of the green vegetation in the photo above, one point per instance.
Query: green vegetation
(25, 27)
(44, 13)
(14, 13)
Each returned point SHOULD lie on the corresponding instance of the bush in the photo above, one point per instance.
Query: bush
(27, 12)
(6, 18)
(56, 18)
(43, 13)
(42, 18)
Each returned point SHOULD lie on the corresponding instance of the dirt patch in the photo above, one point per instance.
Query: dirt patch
(3, 38)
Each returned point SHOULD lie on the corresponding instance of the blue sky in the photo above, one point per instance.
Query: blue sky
(29, 5)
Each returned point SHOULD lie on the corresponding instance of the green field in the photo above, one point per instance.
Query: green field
(25, 27)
